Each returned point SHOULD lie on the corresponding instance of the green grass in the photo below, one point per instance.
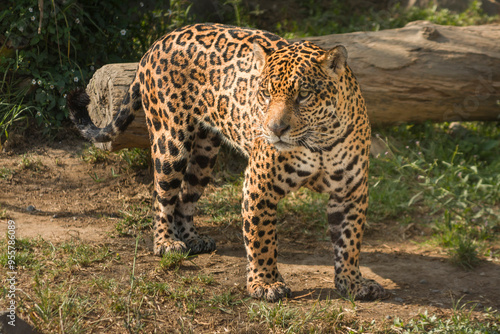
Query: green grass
(322, 317)
(29, 163)
(450, 180)
(75, 287)
(223, 206)
(462, 321)
(135, 158)
(136, 219)
(173, 260)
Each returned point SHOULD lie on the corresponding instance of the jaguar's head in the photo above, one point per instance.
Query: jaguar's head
(301, 89)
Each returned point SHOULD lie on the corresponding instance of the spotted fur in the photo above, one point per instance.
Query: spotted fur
(294, 109)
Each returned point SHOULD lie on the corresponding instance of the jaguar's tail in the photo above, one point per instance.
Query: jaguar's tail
(78, 101)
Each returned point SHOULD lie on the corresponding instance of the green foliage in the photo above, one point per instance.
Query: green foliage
(44, 54)
(462, 321)
(173, 260)
(135, 158)
(451, 178)
(334, 17)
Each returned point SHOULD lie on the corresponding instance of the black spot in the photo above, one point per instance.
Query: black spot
(278, 190)
(202, 161)
(161, 145)
(180, 165)
(335, 218)
(174, 151)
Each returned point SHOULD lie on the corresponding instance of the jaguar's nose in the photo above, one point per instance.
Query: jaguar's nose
(278, 128)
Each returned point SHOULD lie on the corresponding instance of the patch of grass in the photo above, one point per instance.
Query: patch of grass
(135, 158)
(5, 173)
(202, 278)
(94, 155)
(462, 321)
(283, 318)
(25, 255)
(3, 213)
(29, 163)
(60, 307)
(224, 300)
(452, 178)
(223, 206)
(84, 254)
(173, 260)
(307, 205)
(12, 109)
(135, 220)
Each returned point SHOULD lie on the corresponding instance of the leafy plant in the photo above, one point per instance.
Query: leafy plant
(173, 260)
(44, 49)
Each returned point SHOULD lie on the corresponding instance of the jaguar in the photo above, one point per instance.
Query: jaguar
(295, 110)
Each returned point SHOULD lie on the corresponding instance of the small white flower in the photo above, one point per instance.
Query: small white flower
(33, 82)
(407, 147)
(417, 143)
(75, 79)
(419, 153)
(38, 114)
(92, 67)
(51, 86)
(77, 21)
(65, 95)
(123, 32)
(21, 29)
(33, 18)
(39, 82)
(141, 4)
(386, 153)
(30, 10)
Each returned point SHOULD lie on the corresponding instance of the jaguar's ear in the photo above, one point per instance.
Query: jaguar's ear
(260, 54)
(335, 59)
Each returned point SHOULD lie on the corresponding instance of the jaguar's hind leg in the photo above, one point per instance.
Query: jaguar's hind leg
(170, 159)
(198, 174)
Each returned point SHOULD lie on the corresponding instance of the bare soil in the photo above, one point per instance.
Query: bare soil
(58, 198)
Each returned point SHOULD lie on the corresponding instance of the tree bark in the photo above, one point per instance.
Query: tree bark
(422, 72)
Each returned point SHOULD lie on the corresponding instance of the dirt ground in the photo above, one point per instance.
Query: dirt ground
(59, 199)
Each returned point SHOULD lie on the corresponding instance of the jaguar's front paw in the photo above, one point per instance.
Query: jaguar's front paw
(272, 292)
(360, 289)
(170, 246)
(201, 244)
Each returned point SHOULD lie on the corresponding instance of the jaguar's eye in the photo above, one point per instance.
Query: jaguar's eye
(303, 95)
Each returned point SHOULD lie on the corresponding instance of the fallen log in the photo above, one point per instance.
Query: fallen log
(414, 74)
